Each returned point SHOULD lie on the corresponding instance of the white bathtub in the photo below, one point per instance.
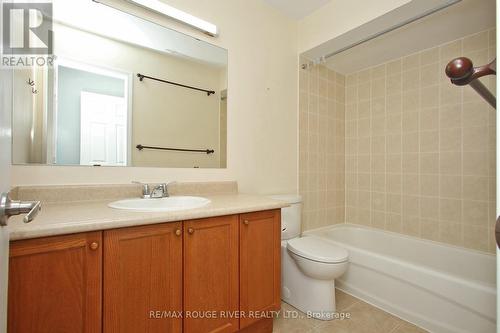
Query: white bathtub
(444, 289)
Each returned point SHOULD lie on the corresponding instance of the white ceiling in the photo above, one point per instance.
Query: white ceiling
(297, 9)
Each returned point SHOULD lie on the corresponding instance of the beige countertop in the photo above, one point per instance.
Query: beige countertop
(84, 216)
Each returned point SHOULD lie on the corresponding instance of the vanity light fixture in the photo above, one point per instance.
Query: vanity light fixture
(178, 15)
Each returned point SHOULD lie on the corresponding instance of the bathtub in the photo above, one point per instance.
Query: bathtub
(442, 288)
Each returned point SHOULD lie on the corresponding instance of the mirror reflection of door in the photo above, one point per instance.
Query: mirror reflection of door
(103, 130)
(179, 104)
(92, 115)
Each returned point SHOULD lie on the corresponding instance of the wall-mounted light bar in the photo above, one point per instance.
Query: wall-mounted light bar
(178, 15)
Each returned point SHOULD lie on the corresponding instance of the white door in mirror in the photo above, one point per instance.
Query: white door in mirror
(103, 132)
(169, 204)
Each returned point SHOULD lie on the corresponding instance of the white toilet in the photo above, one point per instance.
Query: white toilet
(309, 266)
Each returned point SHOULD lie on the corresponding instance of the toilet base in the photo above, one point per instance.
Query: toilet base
(316, 298)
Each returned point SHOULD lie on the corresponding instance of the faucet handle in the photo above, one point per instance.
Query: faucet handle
(163, 187)
(145, 188)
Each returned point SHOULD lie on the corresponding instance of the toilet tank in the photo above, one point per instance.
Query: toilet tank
(290, 216)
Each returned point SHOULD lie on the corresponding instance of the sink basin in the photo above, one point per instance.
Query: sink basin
(169, 204)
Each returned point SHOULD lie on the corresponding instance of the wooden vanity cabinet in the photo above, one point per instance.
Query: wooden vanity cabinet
(143, 279)
(55, 284)
(155, 278)
(260, 265)
(211, 275)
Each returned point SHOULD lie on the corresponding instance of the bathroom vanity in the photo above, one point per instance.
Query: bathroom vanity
(211, 274)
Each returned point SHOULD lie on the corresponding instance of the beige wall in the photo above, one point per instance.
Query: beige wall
(262, 104)
(321, 146)
(339, 16)
(420, 152)
(22, 121)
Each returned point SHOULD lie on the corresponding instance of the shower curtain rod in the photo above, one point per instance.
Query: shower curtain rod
(323, 58)
(462, 72)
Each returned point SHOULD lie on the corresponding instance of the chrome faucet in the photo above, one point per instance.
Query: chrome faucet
(159, 191)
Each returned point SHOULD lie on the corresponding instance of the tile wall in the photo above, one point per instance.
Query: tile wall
(420, 152)
(398, 147)
(321, 146)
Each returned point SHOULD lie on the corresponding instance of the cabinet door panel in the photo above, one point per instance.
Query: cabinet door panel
(55, 284)
(143, 275)
(211, 274)
(260, 264)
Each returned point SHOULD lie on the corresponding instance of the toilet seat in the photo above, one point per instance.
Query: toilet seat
(317, 250)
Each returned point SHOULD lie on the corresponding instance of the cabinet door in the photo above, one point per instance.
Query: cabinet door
(211, 275)
(55, 284)
(143, 279)
(260, 264)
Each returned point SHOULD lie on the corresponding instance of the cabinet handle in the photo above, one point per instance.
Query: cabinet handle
(190, 231)
(94, 246)
(178, 232)
(246, 222)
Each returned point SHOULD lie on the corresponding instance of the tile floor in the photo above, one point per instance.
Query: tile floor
(365, 318)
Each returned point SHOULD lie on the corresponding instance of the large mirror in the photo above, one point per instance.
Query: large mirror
(123, 91)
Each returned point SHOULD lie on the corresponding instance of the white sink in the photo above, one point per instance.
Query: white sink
(169, 204)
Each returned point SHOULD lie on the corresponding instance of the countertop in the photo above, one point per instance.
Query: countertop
(83, 216)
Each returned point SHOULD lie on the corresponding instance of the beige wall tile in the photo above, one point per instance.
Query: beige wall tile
(429, 185)
(429, 208)
(411, 225)
(411, 62)
(411, 184)
(322, 132)
(429, 75)
(411, 142)
(394, 163)
(394, 143)
(429, 229)
(450, 187)
(476, 42)
(450, 163)
(429, 119)
(379, 182)
(393, 183)
(451, 233)
(450, 210)
(475, 213)
(475, 138)
(475, 163)
(429, 56)
(411, 79)
(394, 66)
(394, 222)
(397, 147)
(378, 71)
(410, 205)
(450, 139)
(429, 163)
(476, 237)
(410, 163)
(450, 116)
(429, 141)
(475, 188)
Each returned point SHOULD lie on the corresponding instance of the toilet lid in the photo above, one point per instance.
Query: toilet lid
(317, 249)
